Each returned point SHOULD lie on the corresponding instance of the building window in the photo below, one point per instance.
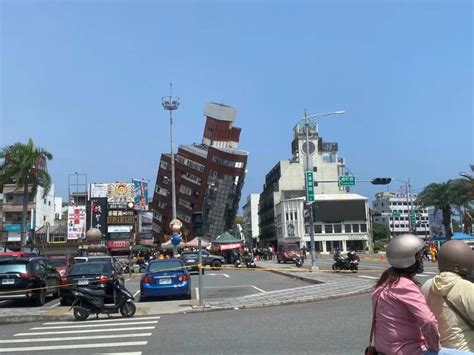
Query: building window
(355, 228)
(318, 228)
(164, 165)
(162, 204)
(185, 203)
(337, 228)
(328, 228)
(347, 228)
(166, 180)
(185, 190)
(287, 218)
(363, 228)
(158, 216)
(161, 191)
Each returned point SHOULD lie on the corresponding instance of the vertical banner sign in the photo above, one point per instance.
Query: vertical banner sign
(140, 198)
(99, 214)
(76, 222)
(309, 186)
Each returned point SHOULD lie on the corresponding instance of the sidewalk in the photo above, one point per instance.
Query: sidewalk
(323, 286)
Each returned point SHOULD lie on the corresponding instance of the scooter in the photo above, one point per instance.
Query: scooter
(88, 301)
(250, 262)
(237, 263)
(350, 263)
(297, 260)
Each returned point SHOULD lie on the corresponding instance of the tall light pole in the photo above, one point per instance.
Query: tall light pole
(170, 104)
(310, 184)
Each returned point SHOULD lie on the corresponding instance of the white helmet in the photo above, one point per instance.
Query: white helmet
(402, 249)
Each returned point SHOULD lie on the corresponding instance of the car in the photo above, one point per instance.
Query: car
(16, 254)
(61, 263)
(100, 258)
(191, 260)
(32, 278)
(96, 275)
(165, 278)
(286, 252)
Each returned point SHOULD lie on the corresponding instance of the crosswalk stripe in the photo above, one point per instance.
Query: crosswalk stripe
(90, 337)
(368, 277)
(430, 273)
(92, 325)
(106, 320)
(83, 331)
(73, 346)
(130, 353)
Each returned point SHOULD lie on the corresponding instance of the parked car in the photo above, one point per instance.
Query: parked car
(62, 263)
(167, 277)
(19, 277)
(191, 260)
(100, 258)
(93, 275)
(287, 251)
(16, 254)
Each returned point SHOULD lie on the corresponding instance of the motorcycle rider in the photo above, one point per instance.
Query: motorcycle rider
(455, 263)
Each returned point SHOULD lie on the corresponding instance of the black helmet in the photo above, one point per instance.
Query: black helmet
(456, 256)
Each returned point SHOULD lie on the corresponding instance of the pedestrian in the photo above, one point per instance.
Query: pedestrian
(403, 324)
(451, 296)
(433, 252)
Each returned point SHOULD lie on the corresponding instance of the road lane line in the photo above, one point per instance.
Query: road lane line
(74, 346)
(90, 337)
(84, 331)
(259, 289)
(54, 305)
(368, 277)
(105, 320)
(197, 293)
(92, 325)
(129, 353)
(136, 293)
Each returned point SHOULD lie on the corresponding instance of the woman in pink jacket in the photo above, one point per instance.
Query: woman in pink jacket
(404, 324)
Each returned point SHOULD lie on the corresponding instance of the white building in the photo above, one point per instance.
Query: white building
(58, 208)
(286, 180)
(340, 220)
(250, 227)
(394, 210)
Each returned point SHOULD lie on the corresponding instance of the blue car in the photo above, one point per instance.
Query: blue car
(165, 278)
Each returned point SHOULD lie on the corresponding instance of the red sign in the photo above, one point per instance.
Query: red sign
(115, 244)
(230, 246)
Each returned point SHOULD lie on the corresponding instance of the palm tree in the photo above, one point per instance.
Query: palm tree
(443, 196)
(21, 166)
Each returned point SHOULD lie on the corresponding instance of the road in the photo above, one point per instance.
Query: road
(328, 327)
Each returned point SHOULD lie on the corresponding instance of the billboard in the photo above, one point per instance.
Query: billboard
(98, 190)
(119, 195)
(437, 230)
(140, 190)
(76, 222)
(99, 214)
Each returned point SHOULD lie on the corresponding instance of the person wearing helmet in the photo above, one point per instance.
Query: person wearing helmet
(450, 288)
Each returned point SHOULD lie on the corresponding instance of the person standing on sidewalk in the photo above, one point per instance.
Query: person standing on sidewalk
(403, 322)
(451, 296)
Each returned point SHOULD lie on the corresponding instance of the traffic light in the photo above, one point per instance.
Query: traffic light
(381, 181)
(197, 224)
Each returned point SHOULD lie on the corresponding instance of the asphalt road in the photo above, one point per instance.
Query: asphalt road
(328, 327)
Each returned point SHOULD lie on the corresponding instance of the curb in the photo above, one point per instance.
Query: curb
(301, 278)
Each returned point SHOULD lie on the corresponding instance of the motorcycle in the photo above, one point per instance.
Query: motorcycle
(250, 262)
(237, 263)
(88, 301)
(298, 261)
(350, 263)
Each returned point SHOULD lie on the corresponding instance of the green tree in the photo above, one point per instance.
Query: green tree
(239, 220)
(380, 232)
(444, 196)
(20, 166)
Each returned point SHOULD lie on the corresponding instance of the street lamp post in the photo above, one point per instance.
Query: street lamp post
(309, 167)
(170, 104)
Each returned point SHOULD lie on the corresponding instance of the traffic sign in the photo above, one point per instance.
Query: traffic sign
(309, 182)
(395, 214)
(347, 180)
(412, 217)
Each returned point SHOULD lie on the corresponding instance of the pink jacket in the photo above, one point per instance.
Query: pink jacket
(403, 323)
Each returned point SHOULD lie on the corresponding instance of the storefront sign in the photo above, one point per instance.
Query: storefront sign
(115, 244)
(76, 222)
(14, 227)
(120, 195)
(230, 246)
(119, 229)
(99, 214)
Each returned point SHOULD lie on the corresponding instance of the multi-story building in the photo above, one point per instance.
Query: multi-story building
(40, 211)
(250, 227)
(209, 178)
(395, 209)
(340, 221)
(285, 181)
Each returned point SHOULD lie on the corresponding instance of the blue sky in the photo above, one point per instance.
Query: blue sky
(84, 79)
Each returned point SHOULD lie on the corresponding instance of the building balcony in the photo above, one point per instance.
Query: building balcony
(16, 207)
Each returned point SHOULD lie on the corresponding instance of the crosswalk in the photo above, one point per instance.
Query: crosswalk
(425, 274)
(93, 336)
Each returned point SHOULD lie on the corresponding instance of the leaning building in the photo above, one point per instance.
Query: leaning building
(209, 178)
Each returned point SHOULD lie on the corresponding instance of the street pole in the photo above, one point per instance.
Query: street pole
(309, 167)
(201, 298)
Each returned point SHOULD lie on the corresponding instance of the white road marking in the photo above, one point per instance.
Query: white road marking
(84, 331)
(136, 293)
(74, 346)
(229, 286)
(93, 325)
(259, 289)
(130, 353)
(105, 320)
(90, 337)
(368, 277)
(54, 305)
(197, 293)
(225, 275)
(430, 273)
